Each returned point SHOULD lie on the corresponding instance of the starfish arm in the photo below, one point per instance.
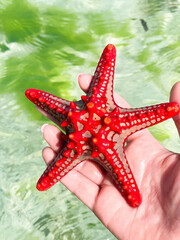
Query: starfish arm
(101, 87)
(135, 119)
(57, 169)
(55, 106)
(115, 163)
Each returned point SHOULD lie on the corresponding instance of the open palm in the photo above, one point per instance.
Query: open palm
(157, 172)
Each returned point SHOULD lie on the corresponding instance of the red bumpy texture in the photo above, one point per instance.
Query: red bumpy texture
(97, 128)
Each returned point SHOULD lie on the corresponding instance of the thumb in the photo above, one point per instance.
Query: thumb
(175, 97)
(84, 81)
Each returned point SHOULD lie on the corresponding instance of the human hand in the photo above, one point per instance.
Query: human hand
(157, 172)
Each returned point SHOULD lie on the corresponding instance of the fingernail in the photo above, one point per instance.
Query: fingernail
(43, 126)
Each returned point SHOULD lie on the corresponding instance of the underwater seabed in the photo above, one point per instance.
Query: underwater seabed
(45, 45)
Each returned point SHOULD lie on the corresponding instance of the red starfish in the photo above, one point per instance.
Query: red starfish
(97, 128)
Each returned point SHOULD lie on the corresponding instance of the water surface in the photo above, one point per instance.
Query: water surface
(46, 45)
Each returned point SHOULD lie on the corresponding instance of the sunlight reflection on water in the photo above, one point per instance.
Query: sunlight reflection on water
(46, 45)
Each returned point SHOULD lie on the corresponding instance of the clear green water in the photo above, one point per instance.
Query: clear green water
(45, 45)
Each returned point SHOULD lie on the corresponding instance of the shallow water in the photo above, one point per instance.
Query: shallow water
(46, 45)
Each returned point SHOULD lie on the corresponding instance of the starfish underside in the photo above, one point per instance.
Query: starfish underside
(97, 128)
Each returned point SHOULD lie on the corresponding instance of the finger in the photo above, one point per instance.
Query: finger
(53, 137)
(86, 190)
(48, 155)
(92, 170)
(84, 81)
(175, 97)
